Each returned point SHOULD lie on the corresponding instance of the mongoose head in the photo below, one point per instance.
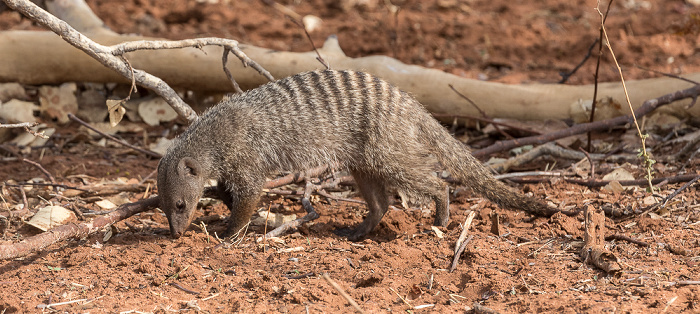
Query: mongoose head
(180, 186)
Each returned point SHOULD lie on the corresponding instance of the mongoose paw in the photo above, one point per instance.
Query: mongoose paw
(351, 234)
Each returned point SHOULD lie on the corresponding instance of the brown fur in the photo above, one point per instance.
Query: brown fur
(359, 122)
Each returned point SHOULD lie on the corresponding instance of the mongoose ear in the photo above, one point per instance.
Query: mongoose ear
(189, 166)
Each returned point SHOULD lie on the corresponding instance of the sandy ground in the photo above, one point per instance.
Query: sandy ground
(532, 266)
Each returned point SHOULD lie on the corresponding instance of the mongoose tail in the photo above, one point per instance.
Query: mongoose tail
(464, 167)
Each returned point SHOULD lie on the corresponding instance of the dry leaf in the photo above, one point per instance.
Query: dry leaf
(311, 23)
(619, 174)
(17, 111)
(105, 204)
(438, 232)
(155, 110)
(615, 187)
(50, 216)
(161, 146)
(116, 111)
(27, 139)
(274, 220)
(649, 200)
(12, 90)
(605, 108)
(57, 102)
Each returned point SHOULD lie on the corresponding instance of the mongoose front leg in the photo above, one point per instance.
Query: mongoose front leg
(242, 204)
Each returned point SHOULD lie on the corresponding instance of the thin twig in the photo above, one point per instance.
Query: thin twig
(597, 69)
(177, 285)
(224, 60)
(343, 293)
(19, 125)
(590, 161)
(667, 74)
(33, 163)
(626, 238)
(646, 160)
(110, 137)
(647, 107)
(676, 192)
(459, 252)
(483, 114)
(565, 76)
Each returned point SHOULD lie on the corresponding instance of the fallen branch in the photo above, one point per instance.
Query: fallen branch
(40, 241)
(200, 70)
(112, 57)
(593, 250)
(599, 183)
(647, 107)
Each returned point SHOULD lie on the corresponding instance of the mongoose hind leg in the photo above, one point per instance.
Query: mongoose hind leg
(422, 183)
(373, 190)
(441, 197)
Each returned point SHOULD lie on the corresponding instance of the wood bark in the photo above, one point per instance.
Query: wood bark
(44, 58)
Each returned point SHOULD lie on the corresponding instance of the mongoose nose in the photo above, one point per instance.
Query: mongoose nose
(176, 235)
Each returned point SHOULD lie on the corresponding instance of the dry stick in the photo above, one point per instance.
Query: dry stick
(594, 251)
(667, 74)
(295, 177)
(460, 245)
(550, 149)
(480, 119)
(21, 184)
(224, 60)
(663, 202)
(343, 293)
(110, 137)
(483, 114)
(626, 238)
(565, 76)
(481, 309)
(465, 229)
(599, 183)
(177, 285)
(676, 192)
(299, 21)
(459, 252)
(647, 107)
(511, 175)
(62, 232)
(311, 214)
(33, 163)
(690, 146)
(590, 161)
(110, 56)
(19, 125)
(646, 160)
(101, 53)
(597, 68)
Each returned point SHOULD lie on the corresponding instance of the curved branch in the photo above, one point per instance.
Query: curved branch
(647, 107)
(42, 240)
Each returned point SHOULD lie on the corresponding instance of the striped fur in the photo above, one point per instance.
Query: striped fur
(351, 120)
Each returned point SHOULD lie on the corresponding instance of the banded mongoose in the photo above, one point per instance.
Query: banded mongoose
(349, 119)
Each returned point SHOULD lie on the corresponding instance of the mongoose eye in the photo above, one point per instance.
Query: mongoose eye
(180, 205)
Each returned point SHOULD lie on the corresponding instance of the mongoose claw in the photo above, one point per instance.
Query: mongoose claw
(350, 233)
